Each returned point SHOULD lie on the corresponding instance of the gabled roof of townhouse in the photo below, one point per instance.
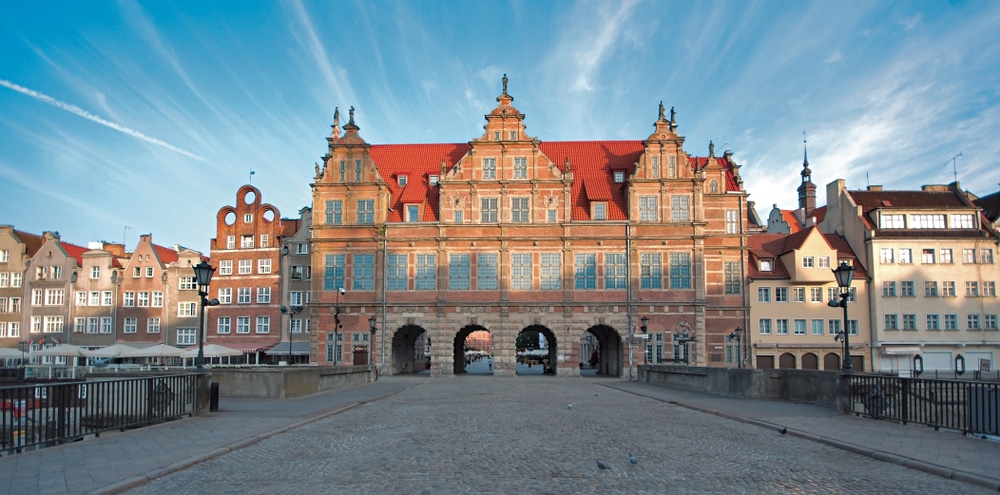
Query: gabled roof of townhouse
(990, 205)
(773, 246)
(32, 242)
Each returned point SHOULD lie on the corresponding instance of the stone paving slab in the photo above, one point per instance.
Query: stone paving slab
(518, 435)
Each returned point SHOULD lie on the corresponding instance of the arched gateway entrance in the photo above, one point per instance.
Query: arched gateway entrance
(460, 347)
(408, 346)
(608, 351)
(530, 353)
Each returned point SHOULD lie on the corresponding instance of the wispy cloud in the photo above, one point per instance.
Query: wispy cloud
(94, 118)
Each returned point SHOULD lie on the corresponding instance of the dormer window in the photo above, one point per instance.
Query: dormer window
(401, 180)
(766, 265)
(600, 211)
(412, 213)
(433, 180)
(619, 176)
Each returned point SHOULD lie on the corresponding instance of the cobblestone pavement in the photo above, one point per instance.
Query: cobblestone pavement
(475, 434)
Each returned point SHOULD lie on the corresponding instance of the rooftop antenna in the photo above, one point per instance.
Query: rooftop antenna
(868, 180)
(954, 168)
(125, 234)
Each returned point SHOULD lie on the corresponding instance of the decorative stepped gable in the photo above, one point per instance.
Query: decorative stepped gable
(437, 180)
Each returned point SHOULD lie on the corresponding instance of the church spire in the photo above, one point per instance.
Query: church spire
(807, 190)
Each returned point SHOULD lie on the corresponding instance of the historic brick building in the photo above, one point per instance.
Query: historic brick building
(507, 233)
(247, 255)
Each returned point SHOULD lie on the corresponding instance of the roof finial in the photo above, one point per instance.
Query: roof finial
(505, 84)
(805, 151)
(673, 118)
(711, 149)
(351, 113)
(661, 110)
(335, 133)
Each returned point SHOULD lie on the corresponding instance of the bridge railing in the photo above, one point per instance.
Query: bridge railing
(46, 414)
(966, 406)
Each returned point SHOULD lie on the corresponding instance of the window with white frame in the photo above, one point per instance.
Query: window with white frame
(263, 295)
(187, 309)
(909, 322)
(973, 322)
(246, 267)
(989, 288)
(264, 266)
(79, 325)
(655, 162)
(149, 272)
(433, 179)
(55, 297)
(835, 326)
(4, 279)
(487, 271)
(680, 270)
(891, 221)
(247, 218)
(889, 288)
(732, 277)
(226, 267)
(231, 242)
(798, 294)
(764, 294)
(36, 324)
(930, 288)
(37, 297)
(521, 271)
(520, 211)
(551, 271)
(488, 209)
(334, 212)
(242, 324)
(243, 295)
(396, 274)
(764, 326)
(131, 325)
(816, 294)
(800, 326)
(823, 262)
(906, 289)
(489, 168)
(781, 294)
(990, 322)
(732, 222)
(672, 166)
(263, 324)
(600, 210)
(969, 256)
(187, 283)
(301, 248)
(128, 299)
(986, 256)
(924, 221)
(766, 265)
(650, 271)
(781, 326)
(648, 209)
(948, 288)
(413, 213)
(971, 288)
(224, 325)
(246, 241)
(945, 256)
(891, 322)
(295, 298)
(187, 336)
(95, 272)
(927, 256)
(951, 322)
(142, 300)
(520, 167)
(225, 295)
(905, 256)
(551, 215)
(962, 221)
(56, 273)
(426, 276)
(4, 255)
(614, 270)
(817, 326)
(619, 176)
(680, 208)
(933, 322)
(152, 325)
(295, 325)
(886, 255)
(366, 211)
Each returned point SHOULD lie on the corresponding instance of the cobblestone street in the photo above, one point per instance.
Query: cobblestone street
(482, 434)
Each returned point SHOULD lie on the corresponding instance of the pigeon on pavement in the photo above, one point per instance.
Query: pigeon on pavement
(602, 465)
(569, 406)
(631, 459)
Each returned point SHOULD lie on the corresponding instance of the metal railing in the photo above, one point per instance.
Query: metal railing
(963, 405)
(45, 414)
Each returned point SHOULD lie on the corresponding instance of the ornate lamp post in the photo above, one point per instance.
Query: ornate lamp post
(844, 273)
(203, 276)
(294, 310)
(371, 345)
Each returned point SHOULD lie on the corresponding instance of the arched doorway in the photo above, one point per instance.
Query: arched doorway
(608, 350)
(459, 346)
(810, 361)
(786, 361)
(408, 350)
(831, 361)
(536, 351)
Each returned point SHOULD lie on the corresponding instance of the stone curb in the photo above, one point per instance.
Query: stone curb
(901, 460)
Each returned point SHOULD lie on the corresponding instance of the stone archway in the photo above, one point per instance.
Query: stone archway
(459, 346)
(407, 350)
(549, 360)
(609, 350)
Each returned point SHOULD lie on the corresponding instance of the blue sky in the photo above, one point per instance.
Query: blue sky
(151, 115)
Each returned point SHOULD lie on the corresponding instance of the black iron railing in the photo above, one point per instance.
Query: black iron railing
(46, 414)
(966, 406)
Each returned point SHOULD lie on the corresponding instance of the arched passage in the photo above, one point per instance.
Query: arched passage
(608, 350)
(459, 346)
(786, 361)
(408, 350)
(546, 358)
(831, 361)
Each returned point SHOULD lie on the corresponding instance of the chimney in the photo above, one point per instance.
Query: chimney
(875, 188)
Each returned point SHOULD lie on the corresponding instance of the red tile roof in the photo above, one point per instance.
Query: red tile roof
(990, 205)
(592, 163)
(772, 246)
(870, 200)
(416, 161)
(793, 222)
(32, 242)
(74, 251)
(165, 254)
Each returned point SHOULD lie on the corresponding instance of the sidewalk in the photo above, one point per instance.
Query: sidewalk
(116, 461)
(948, 454)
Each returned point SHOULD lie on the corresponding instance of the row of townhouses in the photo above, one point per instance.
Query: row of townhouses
(618, 252)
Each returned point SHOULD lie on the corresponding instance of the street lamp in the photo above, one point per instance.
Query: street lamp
(735, 336)
(844, 273)
(294, 310)
(336, 325)
(203, 276)
(645, 323)
(371, 345)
